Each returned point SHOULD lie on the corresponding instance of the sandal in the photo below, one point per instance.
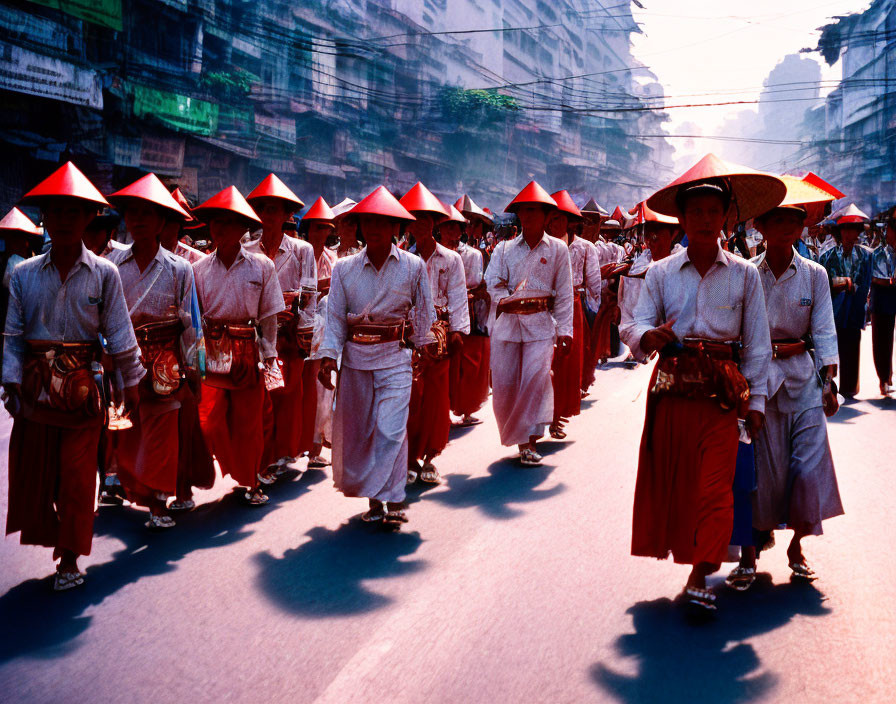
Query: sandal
(317, 462)
(67, 580)
(269, 476)
(412, 476)
(159, 522)
(256, 497)
(557, 433)
(530, 458)
(373, 515)
(468, 421)
(285, 466)
(186, 505)
(395, 518)
(430, 475)
(701, 598)
(801, 570)
(741, 578)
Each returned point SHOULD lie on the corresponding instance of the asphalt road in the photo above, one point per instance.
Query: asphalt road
(508, 585)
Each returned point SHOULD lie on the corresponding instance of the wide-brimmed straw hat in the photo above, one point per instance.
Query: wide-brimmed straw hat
(752, 192)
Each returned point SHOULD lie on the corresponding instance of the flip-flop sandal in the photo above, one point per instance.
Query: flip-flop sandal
(741, 578)
(801, 570)
(187, 505)
(557, 434)
(430, 476)
(468, 422)
(256, 498)
(412, 476)
(530, 458)
(67, 580)
(395, 518)
(160, 522)
(372, 516)
(266, 478)
(317, 462)
(701, 598)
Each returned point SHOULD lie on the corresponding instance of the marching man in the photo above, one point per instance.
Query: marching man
(239, 295)
(59, 305)
(372, 294)
(158, 288)
(530, 280)
(429, 420)
(702, 310)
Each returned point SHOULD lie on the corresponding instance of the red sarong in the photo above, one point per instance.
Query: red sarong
(566, 370)
(195, 465)
(148, 452)
(468, 389)
(283, 412)
(429, 419)
(52, 485)
(683, 498)
(233, 425)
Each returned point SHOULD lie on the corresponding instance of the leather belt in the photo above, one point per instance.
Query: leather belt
(527, 306)
(715, 349)
(376, 333)
(785, 349)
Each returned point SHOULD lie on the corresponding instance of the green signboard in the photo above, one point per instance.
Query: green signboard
(179, 112)
(103, 12)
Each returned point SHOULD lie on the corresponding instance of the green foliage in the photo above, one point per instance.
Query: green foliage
(227, 85)
(477, 109)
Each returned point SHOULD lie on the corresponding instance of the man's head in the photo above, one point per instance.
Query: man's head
(781, 227)
(556, 224)
(273, 212)
(703, 210)
(67, 219)
(144, 220)
(533, 216)
(849, 233)
(422, 228)
(659, 237)
(379, 231)
(226, 228)
(451, 233)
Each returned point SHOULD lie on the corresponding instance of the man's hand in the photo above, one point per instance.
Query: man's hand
(754, 422)
(564, 345)
(325, 375)
(131, 399)
(843, 283)
(12, 398)
(654, 340)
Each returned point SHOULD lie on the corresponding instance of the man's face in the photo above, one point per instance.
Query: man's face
(703, 218)
(475, 230)
(318, 232)
(144, 221)
(781, 228)
(451, 233)
(378, 231)
(532, 217)
(226, 229)
(591, 230)
(273, 212)
(422, 227)
(556, 224)
(659, 240)
(66, 219)
(849, 233)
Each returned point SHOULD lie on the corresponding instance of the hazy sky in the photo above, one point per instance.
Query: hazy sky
(726, 48)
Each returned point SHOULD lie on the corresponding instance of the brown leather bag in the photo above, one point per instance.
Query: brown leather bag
(696, 374)
(231, 354)
(60, 382)
(161, 355)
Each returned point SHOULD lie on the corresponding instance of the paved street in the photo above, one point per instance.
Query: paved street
(509, 585)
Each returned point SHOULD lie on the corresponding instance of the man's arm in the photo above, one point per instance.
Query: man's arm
(458, 310)
(756, 338)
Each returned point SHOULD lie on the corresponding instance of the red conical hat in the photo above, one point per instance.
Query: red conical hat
(421, 200)
(644, 214)
(565, 203)
(273, 187)
(752, 192)
(533, 194)
(67, 181)
(455, 215)
(801, 193)
(851, 215)
(319, 211)
(16, 221)
(183, 203)
(468, 207)
(151, 190)
(231, 200)
(381, 202)
(618, 215)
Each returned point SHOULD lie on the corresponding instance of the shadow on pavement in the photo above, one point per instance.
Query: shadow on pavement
(847, 413)
(507, 483)
(326, 576)
(884, 403)
(36, 619)
(678, 661)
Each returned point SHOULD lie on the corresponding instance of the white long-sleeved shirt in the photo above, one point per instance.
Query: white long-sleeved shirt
(726, 304)
(90, 302)
(515, 271)
(445, 270)
(248, 290)
(799, 303)
(585, 261)
(359, 293)
(296, 269)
